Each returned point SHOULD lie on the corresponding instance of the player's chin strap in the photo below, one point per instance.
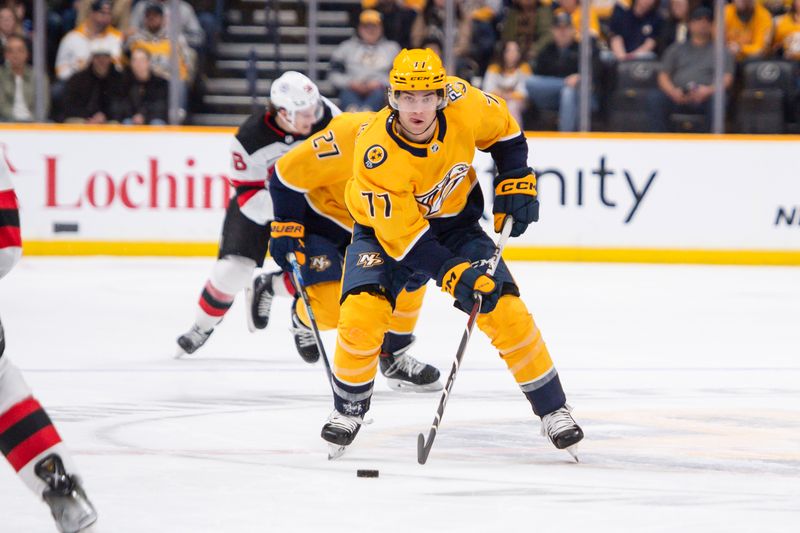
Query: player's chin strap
(301, 287)
(424, 448)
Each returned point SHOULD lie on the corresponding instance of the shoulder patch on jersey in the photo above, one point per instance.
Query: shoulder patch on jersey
(456, 90)
(374, 156)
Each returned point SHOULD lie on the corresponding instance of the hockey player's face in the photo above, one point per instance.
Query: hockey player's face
(304, 120)
(417, 110)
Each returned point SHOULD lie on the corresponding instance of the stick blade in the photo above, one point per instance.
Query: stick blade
(422, 453)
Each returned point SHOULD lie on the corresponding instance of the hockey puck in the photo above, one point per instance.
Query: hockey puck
(367, 473)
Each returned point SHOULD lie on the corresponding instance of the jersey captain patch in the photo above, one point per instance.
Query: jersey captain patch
(433, 200)
(374, 156)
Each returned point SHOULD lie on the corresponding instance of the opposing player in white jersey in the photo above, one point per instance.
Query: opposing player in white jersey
(28, 439)
(296, 110)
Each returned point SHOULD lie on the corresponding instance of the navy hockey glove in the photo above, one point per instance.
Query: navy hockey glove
(285, 237)
(458, 278)
(515, 195)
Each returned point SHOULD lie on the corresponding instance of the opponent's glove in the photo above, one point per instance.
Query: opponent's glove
(287, 236)
(515, 195)
(462, 281)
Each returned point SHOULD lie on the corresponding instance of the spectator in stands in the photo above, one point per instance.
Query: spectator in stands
(93, 95)
(9, 26)
(144, 95)
(430, 24)
(528, 22)
(748, 29)
(434, 44)
(73, 52)
(120, 12)
(190, 25)
(397, 19)
(676, 26)
(16, 83)
(23, 11)
(154, 39)
(634, 31)
(786, 43)
(573, 9)
(360, 65)
(506, 77)
(686, 76)
(554, 84)
(483, 15)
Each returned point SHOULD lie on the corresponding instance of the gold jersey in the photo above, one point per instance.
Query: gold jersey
(320, 166)
(400, 187)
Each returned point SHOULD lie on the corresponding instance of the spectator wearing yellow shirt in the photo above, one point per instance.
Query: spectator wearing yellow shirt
(573, 8)
(748, 29)
(787, 33)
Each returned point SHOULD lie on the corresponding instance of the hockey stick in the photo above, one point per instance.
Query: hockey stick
(423, 448)
(298, 278)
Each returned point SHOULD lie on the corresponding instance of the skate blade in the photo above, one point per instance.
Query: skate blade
(335, 451)
(248, 298)
(573, 451)
(179, 353)
(404, 386)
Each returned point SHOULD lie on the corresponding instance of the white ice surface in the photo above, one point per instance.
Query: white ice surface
(686, 381)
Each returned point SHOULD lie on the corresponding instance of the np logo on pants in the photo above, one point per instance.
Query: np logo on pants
(369, 259)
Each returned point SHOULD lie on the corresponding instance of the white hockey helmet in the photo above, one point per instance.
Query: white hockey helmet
(294, 92)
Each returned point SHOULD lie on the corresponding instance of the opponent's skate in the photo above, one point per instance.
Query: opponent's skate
(563, 432)
(406, 374)
(72, 510)
(304, 339)
(339, 431)
(259, 301)
(190, 341)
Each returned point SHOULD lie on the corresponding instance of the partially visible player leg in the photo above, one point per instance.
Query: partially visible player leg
(515, 335)
(363, 320)
(403, 372)
(513, 332)
(324, 299)
(33, 447)
(322, 275)
(243, 247)
(265, 287)
(229, 275)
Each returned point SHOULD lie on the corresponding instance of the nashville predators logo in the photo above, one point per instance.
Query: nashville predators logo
(320, 263)
(434, 199)
(374, 156)
(369, 259)
(456, 90)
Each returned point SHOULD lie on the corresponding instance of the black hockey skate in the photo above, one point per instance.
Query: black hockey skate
(339, 431)
(304, 339)
(563, 432)
(72, 510)
(190, 341)
(406, 374)
(259, 301)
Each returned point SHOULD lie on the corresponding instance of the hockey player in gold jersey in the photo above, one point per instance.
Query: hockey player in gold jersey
(312, 221)
(416, 204)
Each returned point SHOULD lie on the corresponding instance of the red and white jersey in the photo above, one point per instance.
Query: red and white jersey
(255, 149)
(10, 239)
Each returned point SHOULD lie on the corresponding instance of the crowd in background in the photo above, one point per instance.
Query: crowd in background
(109, 58)
(528, 51)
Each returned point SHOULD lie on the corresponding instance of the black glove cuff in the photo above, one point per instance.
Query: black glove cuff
(513, 173)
